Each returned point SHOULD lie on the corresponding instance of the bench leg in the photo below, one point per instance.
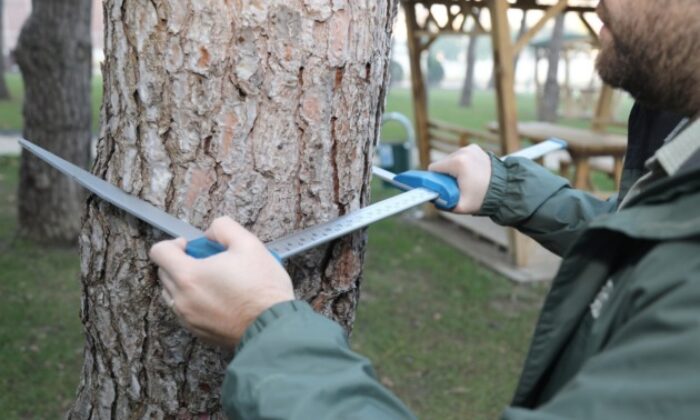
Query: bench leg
(617, 172)
(582, 174)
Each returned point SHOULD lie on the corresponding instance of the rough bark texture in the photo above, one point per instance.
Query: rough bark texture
(54, 55)
(550, 96)
(266, 111)
(4, 91)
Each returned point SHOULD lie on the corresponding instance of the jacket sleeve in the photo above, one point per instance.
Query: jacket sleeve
(296, 364)
(649, 367)
(540, 204)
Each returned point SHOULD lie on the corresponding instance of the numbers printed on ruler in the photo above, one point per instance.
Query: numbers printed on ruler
(343, 225)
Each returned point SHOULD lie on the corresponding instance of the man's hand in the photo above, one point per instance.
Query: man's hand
(471, 166)
(217, 298)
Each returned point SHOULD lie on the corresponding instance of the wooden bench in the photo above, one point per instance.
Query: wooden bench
(447, 138)
(582, 145)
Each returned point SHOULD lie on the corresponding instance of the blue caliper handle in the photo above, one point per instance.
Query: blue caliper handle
(202, 248)
(445, 185)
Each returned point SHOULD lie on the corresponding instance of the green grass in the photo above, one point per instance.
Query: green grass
(11, 110)
(40, 332)
(446, 335)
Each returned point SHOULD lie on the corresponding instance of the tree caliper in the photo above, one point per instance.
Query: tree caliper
(419, 187)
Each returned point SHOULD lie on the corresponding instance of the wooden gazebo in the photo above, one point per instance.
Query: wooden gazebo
(425, 23)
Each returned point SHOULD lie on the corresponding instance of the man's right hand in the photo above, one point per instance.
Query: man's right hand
(217, 298)
(471, 166)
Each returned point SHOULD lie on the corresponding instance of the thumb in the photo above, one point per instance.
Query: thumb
(230, 234)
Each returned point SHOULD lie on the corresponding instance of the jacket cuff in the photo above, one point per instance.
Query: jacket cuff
(497, 187)
(270, 316)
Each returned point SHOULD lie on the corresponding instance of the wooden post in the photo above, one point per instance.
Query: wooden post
(420, 94)
(505, 79)
(520, 245)
(603, 112)
(420, 97)
(569, 106)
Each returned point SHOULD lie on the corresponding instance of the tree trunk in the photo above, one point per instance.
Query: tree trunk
(4, 91)
(54, 55)
(521, 32)
(550, 96)
(266, 111)
(467, 96)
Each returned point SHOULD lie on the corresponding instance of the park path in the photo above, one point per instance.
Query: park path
(9, 145)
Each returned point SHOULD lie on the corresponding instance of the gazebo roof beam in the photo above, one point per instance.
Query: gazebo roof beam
(527, 37)
(594, 34)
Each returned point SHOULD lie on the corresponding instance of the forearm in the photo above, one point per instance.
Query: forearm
(296, 364)
(524, 195)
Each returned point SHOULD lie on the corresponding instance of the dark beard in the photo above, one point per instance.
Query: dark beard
(623, 67)
(654, 62)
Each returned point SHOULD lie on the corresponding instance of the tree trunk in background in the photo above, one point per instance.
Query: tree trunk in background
(521, 32)
(266, 111)
(516, 59)
(550, 96)
(54, 54)
(4, 91)
(467, 96)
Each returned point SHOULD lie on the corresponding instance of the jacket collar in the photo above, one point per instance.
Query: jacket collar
(667, 209)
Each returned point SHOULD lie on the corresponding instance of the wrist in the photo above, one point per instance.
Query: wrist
(273, 314)
(257, 307)
(496, 189)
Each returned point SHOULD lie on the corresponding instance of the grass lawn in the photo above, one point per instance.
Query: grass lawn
(445, 334)
(40, 332)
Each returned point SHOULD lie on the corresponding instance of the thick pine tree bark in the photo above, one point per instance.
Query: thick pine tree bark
(266, 111)
(4, 91)
(54, 54)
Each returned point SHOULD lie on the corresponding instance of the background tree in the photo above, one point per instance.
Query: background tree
(266, 111)
(54, 54)
(521, 31)
(467, 96)
(549, 104)
(436, 72)
(397, 73)
(4, 91)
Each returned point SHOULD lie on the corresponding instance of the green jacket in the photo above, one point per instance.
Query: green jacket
(618, 337)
